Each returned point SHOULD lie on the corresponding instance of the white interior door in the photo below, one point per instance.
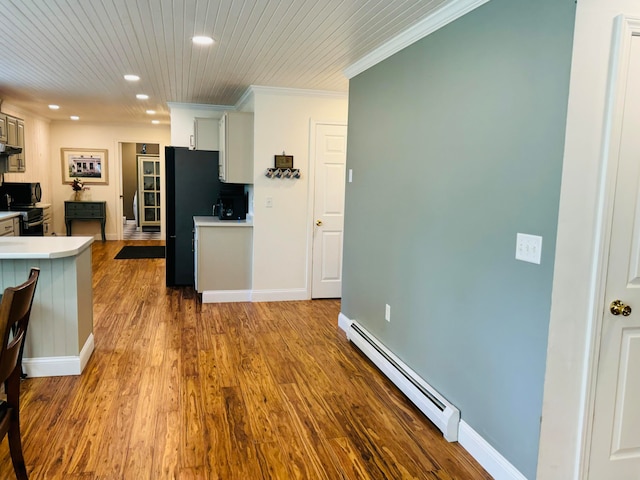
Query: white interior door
(330, 164)
(615, 442)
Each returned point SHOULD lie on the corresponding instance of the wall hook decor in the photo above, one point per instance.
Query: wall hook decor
(283, 167)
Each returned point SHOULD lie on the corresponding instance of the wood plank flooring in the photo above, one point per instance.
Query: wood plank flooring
(180, 390)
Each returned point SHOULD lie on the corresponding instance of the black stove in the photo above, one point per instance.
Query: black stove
(31, 220)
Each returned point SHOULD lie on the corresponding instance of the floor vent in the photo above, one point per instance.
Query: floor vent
(442, 413)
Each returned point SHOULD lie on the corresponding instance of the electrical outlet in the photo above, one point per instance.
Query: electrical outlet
(528, 248)
(269, 202)
(350, 175)
(387, 312)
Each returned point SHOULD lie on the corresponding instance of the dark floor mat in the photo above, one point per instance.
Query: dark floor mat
(140, 251)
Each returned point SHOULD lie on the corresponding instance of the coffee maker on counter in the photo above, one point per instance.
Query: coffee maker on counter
(232, 203)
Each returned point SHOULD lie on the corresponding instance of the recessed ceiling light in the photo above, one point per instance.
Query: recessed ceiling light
(202, 40)
(151, 112)
(142, 96)
(54, 107)
(131, 78)
(74, 117)
(155, 122)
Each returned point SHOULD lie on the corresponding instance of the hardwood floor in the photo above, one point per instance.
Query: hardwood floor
(180, 390)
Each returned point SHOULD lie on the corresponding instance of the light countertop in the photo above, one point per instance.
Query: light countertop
(5, 215)
(216, 222)
(17, 248)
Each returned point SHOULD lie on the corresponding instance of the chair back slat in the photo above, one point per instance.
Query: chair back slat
(15, 310)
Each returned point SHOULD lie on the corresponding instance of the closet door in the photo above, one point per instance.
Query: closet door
(149, 191)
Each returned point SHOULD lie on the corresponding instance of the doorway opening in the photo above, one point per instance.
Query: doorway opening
(141, 210)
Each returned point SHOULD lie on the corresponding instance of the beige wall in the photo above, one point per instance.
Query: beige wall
(101, 136)
(37, 154)
(129, 178)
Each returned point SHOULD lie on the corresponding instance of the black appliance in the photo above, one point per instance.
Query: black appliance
(21, 193)
(232, 202)
(192, 188)
(22, 197)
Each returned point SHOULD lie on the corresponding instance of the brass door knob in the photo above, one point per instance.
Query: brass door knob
(318, 223)
(619, 308)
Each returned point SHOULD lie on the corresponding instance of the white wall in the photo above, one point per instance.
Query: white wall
(70, 134)
(37, 159)
(575, 291)
(281, 234)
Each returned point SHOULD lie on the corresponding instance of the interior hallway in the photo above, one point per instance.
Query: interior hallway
(178, 389)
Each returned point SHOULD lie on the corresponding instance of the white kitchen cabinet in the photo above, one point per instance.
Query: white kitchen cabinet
(3, 128)
(9, 227)
(205, 134)
(47, 218)
(149, 191)
(15, 137)
(222, 256)
(236, 147)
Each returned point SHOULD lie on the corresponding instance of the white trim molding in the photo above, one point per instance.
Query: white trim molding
(200, 106)
(59, 366)
(230, 296)
(292, 91)
(487, 456)
(226, 296)
(444, 15)
(293, 294)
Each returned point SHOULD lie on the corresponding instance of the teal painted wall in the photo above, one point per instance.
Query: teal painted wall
(456, 144)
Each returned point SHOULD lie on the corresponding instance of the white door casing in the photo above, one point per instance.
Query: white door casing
(615, 431)
(330, 157)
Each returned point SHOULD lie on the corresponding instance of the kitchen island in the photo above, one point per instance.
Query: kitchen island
(60, 335)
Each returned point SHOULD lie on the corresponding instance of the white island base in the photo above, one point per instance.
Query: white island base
(60, 335)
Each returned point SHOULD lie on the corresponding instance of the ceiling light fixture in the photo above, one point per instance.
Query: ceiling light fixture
(54, 107)
(151, 112)
(142, 96)
(74, 117)
(155, 122)
(131, 78)
(202, 40)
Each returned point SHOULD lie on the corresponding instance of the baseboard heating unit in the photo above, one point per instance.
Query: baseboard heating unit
(442, 413)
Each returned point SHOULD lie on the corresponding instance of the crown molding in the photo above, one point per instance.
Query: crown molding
(203, 106)
(294, 91)
(441, 17)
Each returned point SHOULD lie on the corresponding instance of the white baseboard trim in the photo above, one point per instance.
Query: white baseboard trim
(487, 456)
(280, 295)
(59, 366)
(226, 296)
(343, 322)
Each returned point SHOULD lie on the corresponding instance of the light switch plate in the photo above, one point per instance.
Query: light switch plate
(528, 248)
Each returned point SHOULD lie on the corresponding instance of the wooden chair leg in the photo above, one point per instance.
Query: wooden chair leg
(15, 448)
(14, 437)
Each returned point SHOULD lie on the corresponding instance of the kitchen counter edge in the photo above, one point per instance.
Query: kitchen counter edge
(28, 248)
(201, 221)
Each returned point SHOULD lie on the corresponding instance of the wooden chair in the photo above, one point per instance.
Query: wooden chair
(15, 309)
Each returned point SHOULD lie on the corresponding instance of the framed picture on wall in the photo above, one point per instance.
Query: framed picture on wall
(88, 164)
(283, 161)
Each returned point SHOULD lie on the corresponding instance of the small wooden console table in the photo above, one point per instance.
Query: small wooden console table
(85, 211)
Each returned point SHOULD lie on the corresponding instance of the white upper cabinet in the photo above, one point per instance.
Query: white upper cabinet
(236, 147)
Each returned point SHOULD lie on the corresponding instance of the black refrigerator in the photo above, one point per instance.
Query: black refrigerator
(192, 187)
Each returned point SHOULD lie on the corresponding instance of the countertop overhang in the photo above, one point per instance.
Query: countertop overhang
(202, 221)
(17, 248)
(5, 215)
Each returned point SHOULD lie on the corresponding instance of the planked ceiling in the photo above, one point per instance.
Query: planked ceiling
(74, 53)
